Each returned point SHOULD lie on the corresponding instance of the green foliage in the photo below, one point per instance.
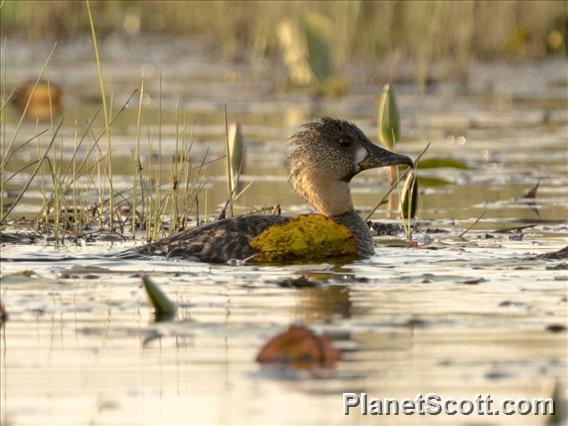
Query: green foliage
(164, 308)
(435, 163)
(409, 197)
(388, 119)
(425, 32)
(432, 181)
(237, 152)
(318, 32)
(310, 237)
(307, 47)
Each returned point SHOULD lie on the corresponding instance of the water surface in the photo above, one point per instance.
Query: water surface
(455, 316)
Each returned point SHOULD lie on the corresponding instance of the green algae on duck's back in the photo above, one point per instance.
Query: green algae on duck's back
(308, 237)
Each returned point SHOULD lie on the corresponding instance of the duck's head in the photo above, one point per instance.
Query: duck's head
(324, 157)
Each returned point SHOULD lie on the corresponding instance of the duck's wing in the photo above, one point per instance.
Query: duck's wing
(216, 242)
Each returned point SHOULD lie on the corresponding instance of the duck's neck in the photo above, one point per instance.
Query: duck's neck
(360, 231)
(334, 201)
(327, 198)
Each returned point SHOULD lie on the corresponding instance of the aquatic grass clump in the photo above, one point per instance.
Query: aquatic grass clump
(70, 210)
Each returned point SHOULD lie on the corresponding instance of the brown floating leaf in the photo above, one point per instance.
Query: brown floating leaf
(299, 347)
(309, 237)
(44, 99)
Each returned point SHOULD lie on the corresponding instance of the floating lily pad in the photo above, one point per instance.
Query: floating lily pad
(432, 181)
(309, 237)
(435, 163)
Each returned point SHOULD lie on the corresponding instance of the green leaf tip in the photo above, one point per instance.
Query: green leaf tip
(409, 196)
(164, 308)
(388, 121)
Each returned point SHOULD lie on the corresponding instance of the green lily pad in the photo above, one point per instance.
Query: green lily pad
(432, 181)
(435, 163)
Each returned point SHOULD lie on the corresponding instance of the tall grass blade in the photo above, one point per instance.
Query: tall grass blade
(105, 113)
(230, 171)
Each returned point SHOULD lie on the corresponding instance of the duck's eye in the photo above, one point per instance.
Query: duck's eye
(345, 140)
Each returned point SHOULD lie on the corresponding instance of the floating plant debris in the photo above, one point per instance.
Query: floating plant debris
(299, 347)
(300, 282)
(436, 163)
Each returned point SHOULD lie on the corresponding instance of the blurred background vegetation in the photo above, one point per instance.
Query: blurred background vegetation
(418, 31)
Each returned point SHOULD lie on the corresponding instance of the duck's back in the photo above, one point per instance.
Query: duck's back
(216, 242)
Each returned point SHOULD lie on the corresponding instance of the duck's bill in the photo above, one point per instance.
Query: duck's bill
(379, 157)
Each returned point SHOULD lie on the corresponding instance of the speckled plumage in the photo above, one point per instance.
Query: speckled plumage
(324, 156)
(360, 230)
(216, 242)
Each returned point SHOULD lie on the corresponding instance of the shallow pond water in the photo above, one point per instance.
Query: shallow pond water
(456, 316)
